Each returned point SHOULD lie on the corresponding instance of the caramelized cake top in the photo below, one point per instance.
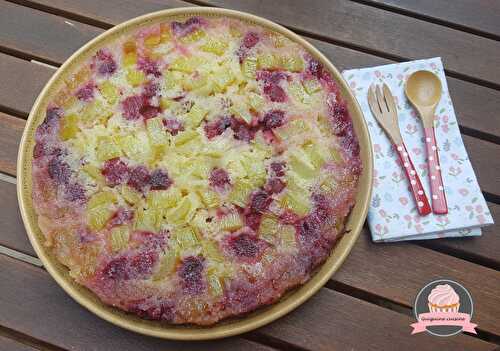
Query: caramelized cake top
(195, 170)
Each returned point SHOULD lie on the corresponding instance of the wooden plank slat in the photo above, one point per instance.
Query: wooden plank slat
(485, 247)
(46, 36)
(12, 234)
(33, 304)
(18, 255)
(374, 268)
(373, 328)
(480, 153)
(385, 33)
(36, 34)
(330, 320)
(12, 345)
(397, 271)
(11, 129)
(476, 247)
(484, 157)
(476, 105)
(21, 82)
(480, 17)
(108, 10)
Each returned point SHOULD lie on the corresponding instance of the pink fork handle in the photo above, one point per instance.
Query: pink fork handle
(417, 190)
(439, 205)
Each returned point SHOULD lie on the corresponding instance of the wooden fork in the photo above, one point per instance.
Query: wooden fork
(384, 109)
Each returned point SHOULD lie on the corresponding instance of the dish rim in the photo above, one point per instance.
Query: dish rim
(225, 328)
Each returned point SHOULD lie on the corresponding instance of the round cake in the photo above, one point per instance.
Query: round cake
(195, 170)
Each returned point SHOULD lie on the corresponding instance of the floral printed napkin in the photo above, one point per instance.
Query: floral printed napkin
(392, 215)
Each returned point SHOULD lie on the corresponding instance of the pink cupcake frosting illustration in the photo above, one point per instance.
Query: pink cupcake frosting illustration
(443, 298)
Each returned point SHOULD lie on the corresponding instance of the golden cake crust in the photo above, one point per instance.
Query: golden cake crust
(195, 170)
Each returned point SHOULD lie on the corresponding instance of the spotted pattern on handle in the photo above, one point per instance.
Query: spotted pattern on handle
(439, 205)
(417, 190)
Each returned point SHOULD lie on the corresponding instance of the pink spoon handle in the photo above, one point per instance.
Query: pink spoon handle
(417, 190)
(439, 205)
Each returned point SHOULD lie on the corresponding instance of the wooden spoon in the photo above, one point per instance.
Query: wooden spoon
(423, 89)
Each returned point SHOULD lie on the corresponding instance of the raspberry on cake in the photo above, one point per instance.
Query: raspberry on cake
(195, 170)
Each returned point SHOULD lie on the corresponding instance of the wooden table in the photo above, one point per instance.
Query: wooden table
(367, 304)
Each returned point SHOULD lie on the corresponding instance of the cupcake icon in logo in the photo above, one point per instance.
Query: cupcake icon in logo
(443, 298)
(443, 308)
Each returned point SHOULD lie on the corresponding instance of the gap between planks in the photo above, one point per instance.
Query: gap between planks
(8, 178)
(491, 197)
(312, 35)
(365, 50)
(393, 306)
(427, 18)
(271, 340)
(466, 256)
(492, 138)
(452, 252)
(24, 56)
(62, 13)
(480, 134)
(27, 340)
(256, 336)
(34, 4)
(457, 253)
(338, 286)
(280, 344)
(4, 250)
(46, 65)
